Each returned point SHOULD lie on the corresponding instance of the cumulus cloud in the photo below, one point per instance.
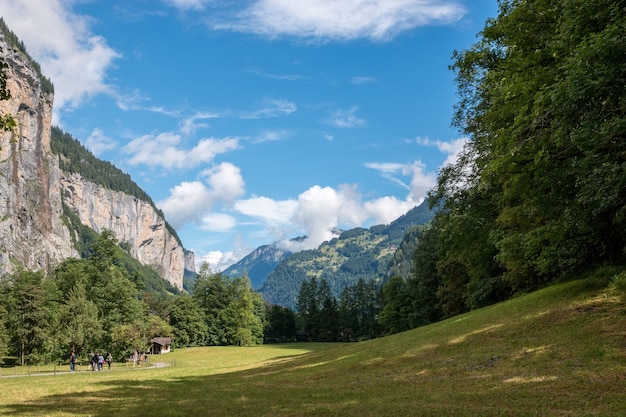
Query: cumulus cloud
(321, 210)
(187, 201)
(341, 20)
(74, 59)
(164, 150)
(225, 182)
(270, 211)
(217, 222)
(384, 210)
(193, 201)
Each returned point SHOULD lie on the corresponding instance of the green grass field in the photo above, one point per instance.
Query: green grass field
(557, 352)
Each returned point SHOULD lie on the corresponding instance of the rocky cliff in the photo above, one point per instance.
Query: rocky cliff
(131, 220)
(32, 230)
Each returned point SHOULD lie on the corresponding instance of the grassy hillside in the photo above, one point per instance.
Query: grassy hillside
(560, 351)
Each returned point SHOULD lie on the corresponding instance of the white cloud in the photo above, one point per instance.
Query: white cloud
(451, 149)
(217, 222)
(189, 125)
(270, 211)
(345, 118)
(164, 151)
(272, 108)
(321, 210)
(194, 201)
(421, 181)
(342, 20)
(225, 182)
(386, 209)
(98, 142)
(188, 4)
(75, 60)
(188, 201)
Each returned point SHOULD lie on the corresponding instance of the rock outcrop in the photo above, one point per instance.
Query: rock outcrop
(131, 220)
(33, 233)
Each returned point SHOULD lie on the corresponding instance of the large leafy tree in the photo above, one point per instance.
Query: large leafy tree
(107, 286)
(541, 189)
(79, 327)
(187, 321)
(29, 315)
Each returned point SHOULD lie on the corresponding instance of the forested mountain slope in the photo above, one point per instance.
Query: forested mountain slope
(356, 254)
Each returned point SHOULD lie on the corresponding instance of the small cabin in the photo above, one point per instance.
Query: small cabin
(161, 345)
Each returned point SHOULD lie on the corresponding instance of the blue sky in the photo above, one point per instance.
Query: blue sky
(256, 121)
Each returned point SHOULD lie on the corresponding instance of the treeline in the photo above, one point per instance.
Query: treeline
(75, 158)
(539, 193)
(15, 42)
(95, 304)
(354, 316)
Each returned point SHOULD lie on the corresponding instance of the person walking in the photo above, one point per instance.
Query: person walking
(109, 360)
(91, 361)
(73, 362)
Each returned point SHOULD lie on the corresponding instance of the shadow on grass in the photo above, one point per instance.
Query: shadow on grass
(208, 395)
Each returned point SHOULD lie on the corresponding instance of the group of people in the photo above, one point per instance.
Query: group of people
(96, 361)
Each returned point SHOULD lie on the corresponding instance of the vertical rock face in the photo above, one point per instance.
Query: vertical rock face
(190, 261)
(32, 232)
(131, 220)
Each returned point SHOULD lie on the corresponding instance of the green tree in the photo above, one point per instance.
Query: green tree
(187, 321)
(79, 324)
(425, 281)
(395, 314)
(540, 188)
(211, 293)
(28, 316)
(307, 307)
(280, 325)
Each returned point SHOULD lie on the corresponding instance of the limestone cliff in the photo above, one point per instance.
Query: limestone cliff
(32, 232)
(32, 229)
(131, 220)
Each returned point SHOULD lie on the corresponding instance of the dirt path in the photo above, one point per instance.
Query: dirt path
(152, 365)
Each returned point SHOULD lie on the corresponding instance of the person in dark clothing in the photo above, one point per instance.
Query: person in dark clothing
(73, 362)
(91, 361)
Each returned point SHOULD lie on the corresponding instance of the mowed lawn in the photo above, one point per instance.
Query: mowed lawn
(557, 352)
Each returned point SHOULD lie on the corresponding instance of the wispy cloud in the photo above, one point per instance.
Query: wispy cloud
(333, 20)
(345, 118)
(285, 77)
(452, 149)
(272, 108)
(362, 80)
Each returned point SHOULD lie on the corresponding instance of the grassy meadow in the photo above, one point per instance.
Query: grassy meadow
(560, 351)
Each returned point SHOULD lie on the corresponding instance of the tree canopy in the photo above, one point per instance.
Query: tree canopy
(541, 187)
